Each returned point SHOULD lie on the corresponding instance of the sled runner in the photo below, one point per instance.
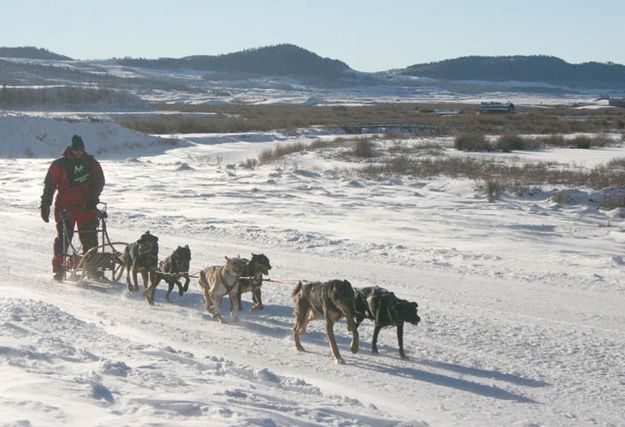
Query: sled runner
(102, 263)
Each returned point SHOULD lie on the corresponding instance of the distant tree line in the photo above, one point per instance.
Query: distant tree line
(523, 68)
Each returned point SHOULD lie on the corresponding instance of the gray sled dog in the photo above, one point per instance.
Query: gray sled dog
(218, 281)
(332, 300)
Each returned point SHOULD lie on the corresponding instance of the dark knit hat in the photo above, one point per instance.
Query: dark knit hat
(77, 143)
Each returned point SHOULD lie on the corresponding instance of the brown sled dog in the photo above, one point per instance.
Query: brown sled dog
(332, 300)
(385, 309)
(218, 281)
(252, 279)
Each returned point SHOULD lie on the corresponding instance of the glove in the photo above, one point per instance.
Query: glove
(45, 213)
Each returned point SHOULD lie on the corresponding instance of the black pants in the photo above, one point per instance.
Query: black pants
(86, 234)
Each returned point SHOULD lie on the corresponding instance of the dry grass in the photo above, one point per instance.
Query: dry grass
(241, 118)
(281, 150)
(505, 176)
(410, 159)
(497, 176)
(509, 142)
(472, 142)
(493, 177)
(250, 164)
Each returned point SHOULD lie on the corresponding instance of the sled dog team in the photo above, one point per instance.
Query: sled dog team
(330, 300)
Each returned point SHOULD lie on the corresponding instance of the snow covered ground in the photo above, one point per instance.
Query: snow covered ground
(522, 301)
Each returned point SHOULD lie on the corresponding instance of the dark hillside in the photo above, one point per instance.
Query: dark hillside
(30, 52)
(279, 60)
(546, 69)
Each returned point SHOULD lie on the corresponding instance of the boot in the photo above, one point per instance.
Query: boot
(58, 275)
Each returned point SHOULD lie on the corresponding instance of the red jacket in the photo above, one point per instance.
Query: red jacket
(78, 182)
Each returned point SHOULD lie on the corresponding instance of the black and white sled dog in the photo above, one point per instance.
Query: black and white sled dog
(252, 279)
(141, 257)
(385, 309)
(171, 270)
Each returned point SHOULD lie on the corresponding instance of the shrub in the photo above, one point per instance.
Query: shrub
(613, 200)
(402, 164)
(617, 164)
(364, 148)
(569, 197)
(583, 142)
(602, 141)
(555, 141)
(472, 142)
(280, 150)
(493, 188)
(507, 143)
(250, 164)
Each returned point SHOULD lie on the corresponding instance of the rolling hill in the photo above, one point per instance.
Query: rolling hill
(299, 74)
(278, 60)
(30, 52)
(547, 69)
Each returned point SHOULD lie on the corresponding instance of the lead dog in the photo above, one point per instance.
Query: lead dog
(332, 300)
(252, 280)
(171, 270)
(385, 309)
(218, 281)
(141, 257)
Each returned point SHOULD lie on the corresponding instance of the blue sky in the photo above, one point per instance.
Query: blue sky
(367, 35)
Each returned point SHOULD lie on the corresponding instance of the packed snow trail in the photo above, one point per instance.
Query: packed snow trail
(521, 303)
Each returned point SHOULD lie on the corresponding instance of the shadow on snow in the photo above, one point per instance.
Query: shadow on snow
(274, 315)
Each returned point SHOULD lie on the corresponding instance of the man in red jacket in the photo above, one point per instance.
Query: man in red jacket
(78, 180)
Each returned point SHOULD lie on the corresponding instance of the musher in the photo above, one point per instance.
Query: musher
(78, 180)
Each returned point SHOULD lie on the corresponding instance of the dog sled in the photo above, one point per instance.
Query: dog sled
(102, 263)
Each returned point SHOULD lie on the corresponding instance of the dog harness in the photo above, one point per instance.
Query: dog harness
(225, 282)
